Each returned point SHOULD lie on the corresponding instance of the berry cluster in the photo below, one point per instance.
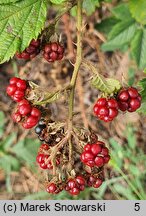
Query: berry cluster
(31, 51)
(53, 51)
(126, 100)
(89, 174)
(93, 181)
(129, 99)
(95, 155)
(42, 158)
(25, 112)
(16, 89)
(106, 109)
(74, 186)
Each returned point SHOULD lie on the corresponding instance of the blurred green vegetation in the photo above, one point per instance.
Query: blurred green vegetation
(124, 176)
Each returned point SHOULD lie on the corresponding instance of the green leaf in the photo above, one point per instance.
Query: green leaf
(2, 123)
(121, 34)
(108, 86)
(142, 83)
(8, 163)
(138, 10)
(138, 48)
(131, 137)
(57, 1)
(41, 195)
(131, 76)
(105, 85)
(20, 22)
(9, 141)
(8, 1)
(90, 6)
(26, 150)
(125, 192)
(121, 11)
(106, 25)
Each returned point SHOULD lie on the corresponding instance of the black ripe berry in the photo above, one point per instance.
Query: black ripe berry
(39, 128)
(42, 122)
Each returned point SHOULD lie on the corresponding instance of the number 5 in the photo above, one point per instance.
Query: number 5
(137, 207)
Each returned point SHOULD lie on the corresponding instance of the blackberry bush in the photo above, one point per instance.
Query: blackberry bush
(71, 157)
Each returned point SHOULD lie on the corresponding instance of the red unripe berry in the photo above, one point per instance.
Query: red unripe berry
(43, 165)
(99, 161)
(75, 191)
(139, 97)
(82, 187)
(16, 117)
(24, 109)
(102, 102)
(14, 80)
(96, 149)
(47, 48)
(35, 43)
(71, 183)
(44, 147)
(25, 55)
(103, 111)
(21, 84)
(86, 156)
(54, 46)
(132, 92)
(16, 99)
(40, 158)
(51, 188)
(60, 49)
(105, 151)
(98, 183)
(106, 159)
(90, 163)
(22, 102)
(80, 180)
(91, 181)
(11, 89)
(113, 113)
(18, 55)
(19, 94)
(35, 112)
(87, 147)
(134, 104)
(31, 121)
(123, 95)
(47, 57)
(112, 103)
(123, 106)
(95, 109)
(31, 49)
(106, 118)
(53, 56)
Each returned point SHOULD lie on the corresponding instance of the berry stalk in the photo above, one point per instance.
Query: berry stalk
(77, 63)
